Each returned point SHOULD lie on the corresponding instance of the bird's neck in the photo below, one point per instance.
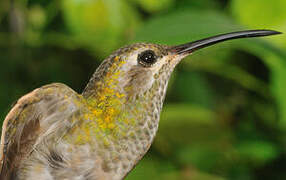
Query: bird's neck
(125, 125)
(124, 119)
(124, 128)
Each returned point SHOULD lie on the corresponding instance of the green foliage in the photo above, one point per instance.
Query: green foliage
(261, 14)
(110, 20)
(225, 111)
(257, 153)
(154, 6)
(271, 15)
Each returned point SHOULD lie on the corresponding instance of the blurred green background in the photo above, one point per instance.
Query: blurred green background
(225, 111)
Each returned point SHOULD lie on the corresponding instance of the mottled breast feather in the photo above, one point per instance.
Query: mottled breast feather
(27, 122)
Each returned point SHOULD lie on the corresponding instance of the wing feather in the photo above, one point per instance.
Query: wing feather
(35, 116)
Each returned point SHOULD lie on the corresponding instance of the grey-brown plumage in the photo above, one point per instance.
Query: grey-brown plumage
(56, 133)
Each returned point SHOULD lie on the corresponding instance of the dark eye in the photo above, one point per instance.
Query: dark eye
(147, 58)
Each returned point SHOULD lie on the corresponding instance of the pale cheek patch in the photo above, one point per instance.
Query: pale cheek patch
(130, 62)
(124, 69)
(136, 78)
(158, 65)
(141, 79)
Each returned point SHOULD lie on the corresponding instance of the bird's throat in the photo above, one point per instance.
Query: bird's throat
(119, 123)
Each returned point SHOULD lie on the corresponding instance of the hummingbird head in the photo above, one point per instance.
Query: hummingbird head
(144, 69)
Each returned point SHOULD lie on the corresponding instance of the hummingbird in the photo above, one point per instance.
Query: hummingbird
(56, 133)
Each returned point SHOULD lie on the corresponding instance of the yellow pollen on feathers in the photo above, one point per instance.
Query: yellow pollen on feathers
(104, 117)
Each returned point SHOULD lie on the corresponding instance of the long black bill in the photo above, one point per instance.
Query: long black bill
(196, 45)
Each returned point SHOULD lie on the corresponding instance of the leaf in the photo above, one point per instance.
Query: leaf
(182, 124)
(100, 25)
(182, 112)
(278, 88)
(273, 17)
(153, 168)
(154, 6)
(202, 157)
(196, 90)
(257, 152)
(262, 14)
(184, 26)
(201, 4)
